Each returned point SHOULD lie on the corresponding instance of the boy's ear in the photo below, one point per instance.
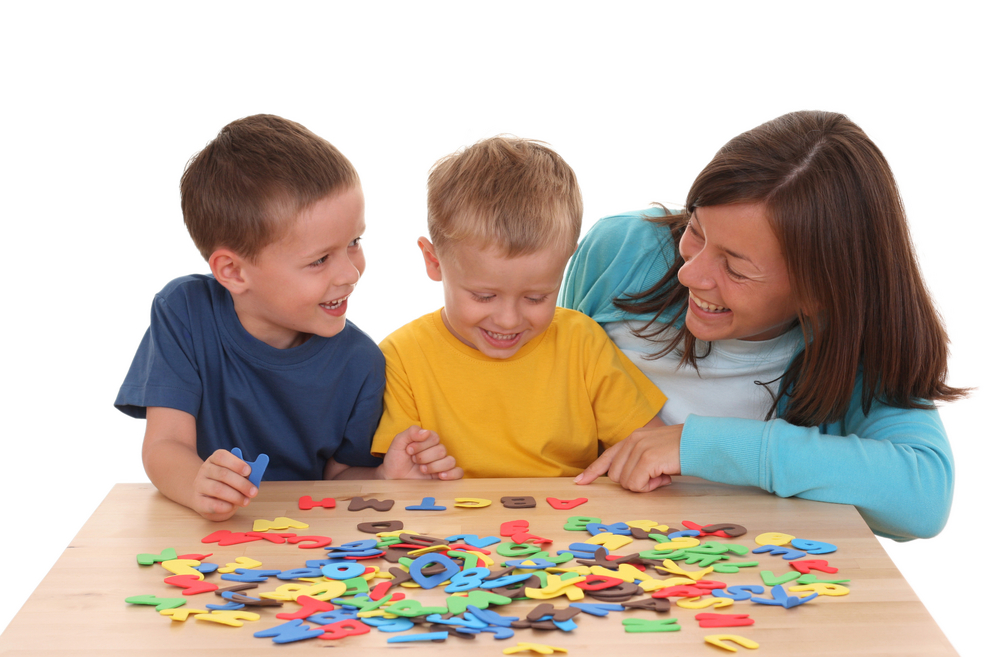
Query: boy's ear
(431, 260)
(228, 268)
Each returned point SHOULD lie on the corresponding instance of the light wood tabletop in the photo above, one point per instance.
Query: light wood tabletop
(80, 606)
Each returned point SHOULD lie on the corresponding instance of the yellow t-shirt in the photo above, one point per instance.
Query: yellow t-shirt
(540, 413)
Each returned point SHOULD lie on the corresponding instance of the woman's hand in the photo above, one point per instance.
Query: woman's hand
(642, 462)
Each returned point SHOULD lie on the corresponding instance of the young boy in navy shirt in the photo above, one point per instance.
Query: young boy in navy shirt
(260, 355)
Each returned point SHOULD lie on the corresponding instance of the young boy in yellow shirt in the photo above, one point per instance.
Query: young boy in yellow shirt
(511, 385)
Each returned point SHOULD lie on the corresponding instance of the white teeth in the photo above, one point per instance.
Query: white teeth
(501, 336)
(333, 304)
(711, 307)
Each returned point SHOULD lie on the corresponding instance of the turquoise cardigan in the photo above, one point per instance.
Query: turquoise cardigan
(895, 465)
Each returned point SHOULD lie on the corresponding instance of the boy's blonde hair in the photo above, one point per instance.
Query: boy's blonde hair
(242, 190)
(514, 195)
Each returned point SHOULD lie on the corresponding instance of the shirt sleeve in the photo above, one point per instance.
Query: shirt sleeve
(164, 371)
(355, 449)
(399, 407)
(623, 398)
(620, 254)
(895, 465)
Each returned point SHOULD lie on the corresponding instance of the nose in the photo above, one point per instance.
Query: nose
(345, 273)
(696, 272)
(507, 315)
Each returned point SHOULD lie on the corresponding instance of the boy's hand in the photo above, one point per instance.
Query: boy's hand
(221, 486)
(417, 453)
(642, 462)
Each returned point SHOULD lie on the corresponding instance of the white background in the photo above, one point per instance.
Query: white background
(103, 104)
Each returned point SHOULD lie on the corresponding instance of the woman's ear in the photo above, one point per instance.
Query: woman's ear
(230, 270)
(431, 260)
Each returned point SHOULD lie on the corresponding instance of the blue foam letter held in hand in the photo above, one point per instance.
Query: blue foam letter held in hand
(256, 468)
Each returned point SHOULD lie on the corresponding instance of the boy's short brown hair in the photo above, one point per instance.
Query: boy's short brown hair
(515, 195)
(242, 189)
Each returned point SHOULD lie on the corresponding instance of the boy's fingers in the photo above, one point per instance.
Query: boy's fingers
(450, 475)
(223, 492)
(227, 479)
(423, 440)
(228, 460)
(429, 455)
(215, 510)
(410, 439)
(440, 465)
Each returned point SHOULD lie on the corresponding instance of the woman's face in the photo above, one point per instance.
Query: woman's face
(736, 275)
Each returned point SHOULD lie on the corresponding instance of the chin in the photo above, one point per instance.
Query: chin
(329, 332)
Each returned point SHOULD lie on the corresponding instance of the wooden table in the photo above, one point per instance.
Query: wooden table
(80, 606)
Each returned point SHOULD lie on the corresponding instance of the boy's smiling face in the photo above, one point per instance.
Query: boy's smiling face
(493, 303)
(299, 285)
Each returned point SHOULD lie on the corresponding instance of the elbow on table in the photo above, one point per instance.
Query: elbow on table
(922, 514)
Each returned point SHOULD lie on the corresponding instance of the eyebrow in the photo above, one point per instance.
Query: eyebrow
(320, 252)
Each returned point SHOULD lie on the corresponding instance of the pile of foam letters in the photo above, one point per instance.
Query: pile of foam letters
(346, 594)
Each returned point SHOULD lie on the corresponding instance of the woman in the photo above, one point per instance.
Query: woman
(794, 336)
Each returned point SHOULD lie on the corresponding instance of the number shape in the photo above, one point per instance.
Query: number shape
(346, 627)
(739, 593)
(466, 580)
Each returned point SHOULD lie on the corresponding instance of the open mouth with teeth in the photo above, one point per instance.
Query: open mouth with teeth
(501, 340)
(706, 306)
(336, 306)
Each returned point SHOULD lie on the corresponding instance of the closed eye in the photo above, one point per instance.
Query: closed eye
(732, 274)
(482, 298)
(319, 262)
(537, 299)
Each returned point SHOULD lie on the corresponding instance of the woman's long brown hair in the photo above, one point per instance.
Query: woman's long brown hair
(834, 206)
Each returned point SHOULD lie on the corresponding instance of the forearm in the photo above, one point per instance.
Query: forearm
(172, 467)
(895, 468)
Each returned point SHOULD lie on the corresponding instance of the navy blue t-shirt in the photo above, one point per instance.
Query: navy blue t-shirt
(299, 406)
